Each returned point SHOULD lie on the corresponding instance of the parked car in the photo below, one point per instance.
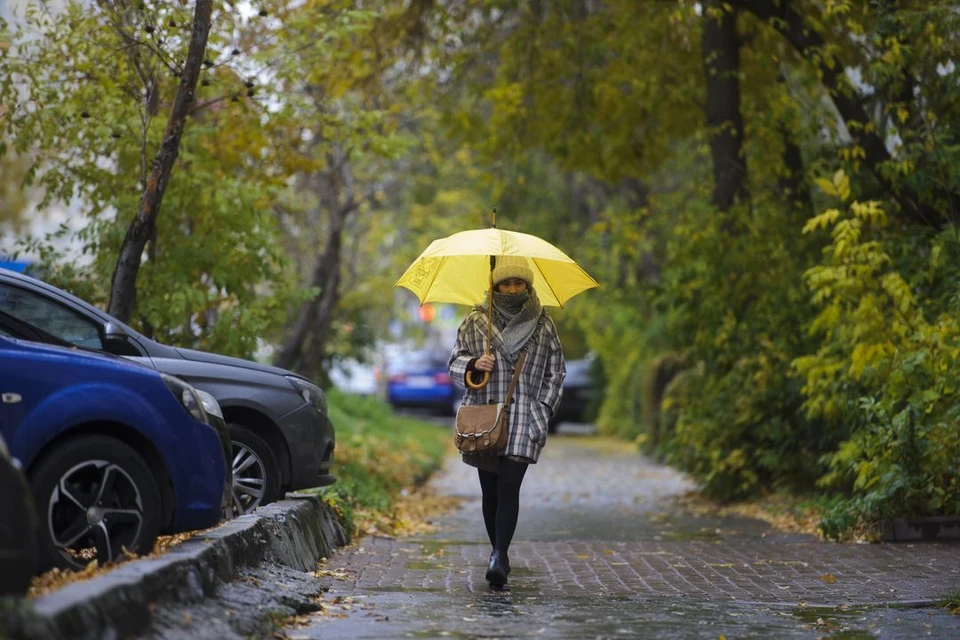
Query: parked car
(14, 328)
(355, 377)
(580, 393)
(420, 379)
(281, 434)
(115, 452)
(18, 527)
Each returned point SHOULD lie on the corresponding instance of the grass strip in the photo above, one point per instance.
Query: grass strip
(380, 457)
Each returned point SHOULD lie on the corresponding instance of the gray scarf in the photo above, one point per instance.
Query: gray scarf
(515, 318)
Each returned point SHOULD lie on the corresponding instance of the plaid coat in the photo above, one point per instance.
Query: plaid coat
(538, 391)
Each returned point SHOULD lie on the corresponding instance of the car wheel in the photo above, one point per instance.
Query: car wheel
(256, 474)
(97, 499)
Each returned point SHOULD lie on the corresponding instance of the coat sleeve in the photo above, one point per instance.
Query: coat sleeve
(468, 347)
(555, 371)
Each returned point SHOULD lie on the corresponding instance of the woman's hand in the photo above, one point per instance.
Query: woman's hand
(484, 363)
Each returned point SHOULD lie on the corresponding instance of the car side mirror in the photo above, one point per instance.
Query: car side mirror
(112, 331)
(116, 341)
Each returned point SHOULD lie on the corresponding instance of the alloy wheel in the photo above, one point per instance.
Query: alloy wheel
(95, 512)
(249, 479)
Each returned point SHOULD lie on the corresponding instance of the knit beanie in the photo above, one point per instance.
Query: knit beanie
(512, 267)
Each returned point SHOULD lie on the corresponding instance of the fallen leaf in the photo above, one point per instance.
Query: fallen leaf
(829, 578)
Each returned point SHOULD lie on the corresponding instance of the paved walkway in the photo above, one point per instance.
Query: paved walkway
(601, 552)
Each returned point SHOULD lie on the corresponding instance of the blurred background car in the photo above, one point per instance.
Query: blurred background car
(115, 453)
(282, 437)
(355, 377)
(419, 379)
(581, 392)
(18, 527)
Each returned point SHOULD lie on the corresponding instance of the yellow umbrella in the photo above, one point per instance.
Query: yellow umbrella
(457, 269)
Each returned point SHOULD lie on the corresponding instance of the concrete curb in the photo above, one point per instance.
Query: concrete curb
(295, 532)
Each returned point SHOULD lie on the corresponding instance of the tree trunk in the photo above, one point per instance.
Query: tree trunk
(305, 346)
(721, 59)
(794, 183)
(123, 285)
(806, 41)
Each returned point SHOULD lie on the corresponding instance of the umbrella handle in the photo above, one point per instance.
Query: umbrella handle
(477, 385)
(485, 378)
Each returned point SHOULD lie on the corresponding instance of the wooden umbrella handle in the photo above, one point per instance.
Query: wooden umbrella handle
(478, 385)
(485, 378)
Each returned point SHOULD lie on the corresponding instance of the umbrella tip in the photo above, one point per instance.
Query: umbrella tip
(494, 225)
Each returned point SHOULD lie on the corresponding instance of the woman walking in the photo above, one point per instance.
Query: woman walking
(520, 324)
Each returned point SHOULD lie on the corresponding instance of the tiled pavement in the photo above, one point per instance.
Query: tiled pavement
(601, 552)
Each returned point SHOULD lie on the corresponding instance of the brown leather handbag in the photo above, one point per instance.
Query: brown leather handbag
(483, 428)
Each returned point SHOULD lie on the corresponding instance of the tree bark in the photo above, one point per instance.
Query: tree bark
(720, 49)
(793, 183)
(806, 41)
(123, 285)
(305, 345)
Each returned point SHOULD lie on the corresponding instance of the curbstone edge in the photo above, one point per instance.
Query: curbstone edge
(295, 532)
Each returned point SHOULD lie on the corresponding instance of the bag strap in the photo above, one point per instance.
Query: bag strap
(516, 376)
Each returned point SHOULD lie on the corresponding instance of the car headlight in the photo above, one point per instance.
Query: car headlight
(187, 396)
(311, 393)
(209, 404)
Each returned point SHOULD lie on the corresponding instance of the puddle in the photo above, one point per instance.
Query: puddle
(432, 546)
(852, 634)
(833, 622)
(812, 614)
(424, 565)
(398, 589)
(683, 536)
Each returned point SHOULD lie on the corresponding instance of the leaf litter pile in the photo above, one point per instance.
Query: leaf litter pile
(780, 512)
(411, 514)
(55, 579)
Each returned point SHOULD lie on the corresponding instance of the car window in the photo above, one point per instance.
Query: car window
(53, 318)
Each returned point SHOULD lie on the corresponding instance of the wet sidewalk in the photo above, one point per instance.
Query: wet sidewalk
(602, 552)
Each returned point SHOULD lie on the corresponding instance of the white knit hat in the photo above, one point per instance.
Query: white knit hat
(512, 267)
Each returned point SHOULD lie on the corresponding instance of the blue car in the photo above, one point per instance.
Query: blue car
(115, 453)
(419, 379)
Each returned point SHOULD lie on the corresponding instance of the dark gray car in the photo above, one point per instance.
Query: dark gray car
(282, 437)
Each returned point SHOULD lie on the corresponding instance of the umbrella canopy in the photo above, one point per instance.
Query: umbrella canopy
(456, 269)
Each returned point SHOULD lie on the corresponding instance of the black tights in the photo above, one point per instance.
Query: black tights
(501, 502)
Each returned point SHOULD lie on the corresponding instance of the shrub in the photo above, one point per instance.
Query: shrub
(886, 371)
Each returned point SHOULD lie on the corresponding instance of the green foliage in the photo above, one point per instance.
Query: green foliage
(886, 371)
(733, 419)
(214, 276)
(378, 454)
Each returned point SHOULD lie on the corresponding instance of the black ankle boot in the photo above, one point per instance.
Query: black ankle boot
(497, 570)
